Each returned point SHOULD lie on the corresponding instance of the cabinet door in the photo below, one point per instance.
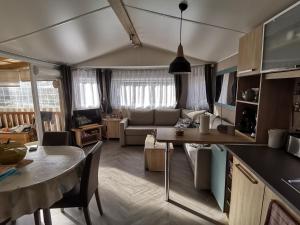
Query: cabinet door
(268, 197)
(218, 174)
(113, 129)
(250, 48)
(246, 197)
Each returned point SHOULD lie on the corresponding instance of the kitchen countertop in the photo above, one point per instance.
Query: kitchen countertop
(271, 165)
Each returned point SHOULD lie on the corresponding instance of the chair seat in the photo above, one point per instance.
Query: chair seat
(70, 199)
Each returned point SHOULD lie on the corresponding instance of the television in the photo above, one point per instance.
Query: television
(281, 42)
(86, 117)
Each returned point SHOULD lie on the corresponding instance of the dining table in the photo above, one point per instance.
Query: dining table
(194, 135)
(53, 171)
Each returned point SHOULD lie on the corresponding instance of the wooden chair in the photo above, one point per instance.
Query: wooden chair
(82, 193)
(277, 215)
(55, 138)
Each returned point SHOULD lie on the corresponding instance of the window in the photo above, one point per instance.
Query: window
(85, 89)
(20, 98)
(196, 98)
(149, 88)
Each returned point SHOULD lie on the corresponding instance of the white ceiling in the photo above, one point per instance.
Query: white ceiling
(45, 29)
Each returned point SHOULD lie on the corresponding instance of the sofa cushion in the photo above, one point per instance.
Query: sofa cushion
(141, 130)
(141, 117)
(166, 117)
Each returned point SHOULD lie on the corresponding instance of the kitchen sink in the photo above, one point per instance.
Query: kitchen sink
(293, 183)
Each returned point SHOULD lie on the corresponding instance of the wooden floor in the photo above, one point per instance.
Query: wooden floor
(130, 195)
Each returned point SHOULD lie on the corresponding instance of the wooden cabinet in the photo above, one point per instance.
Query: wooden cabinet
(268, 197)
(250, 50)
(246, 196)
(112, 127)
(88, 134)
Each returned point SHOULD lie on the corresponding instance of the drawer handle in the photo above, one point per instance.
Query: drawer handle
(249, 176)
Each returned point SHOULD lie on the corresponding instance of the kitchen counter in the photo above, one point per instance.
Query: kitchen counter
(271, 165)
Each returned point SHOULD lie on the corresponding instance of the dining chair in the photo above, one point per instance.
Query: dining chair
(55, 138)
(82, 193)
(277, 215)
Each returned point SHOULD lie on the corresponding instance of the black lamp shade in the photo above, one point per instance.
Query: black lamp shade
(180, 66)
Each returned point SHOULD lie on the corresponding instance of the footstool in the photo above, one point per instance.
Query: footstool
(154, 155)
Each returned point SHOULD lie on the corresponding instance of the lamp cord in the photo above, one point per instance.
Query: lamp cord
(180, 25)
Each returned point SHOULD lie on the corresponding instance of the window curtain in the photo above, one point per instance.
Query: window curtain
(67, 90)
(196, 96)
(100, 86)
(219, 82)
(209, 73)
(107, 75)
(180, 90)
(85, 92)
(149, 88)
(228, 90)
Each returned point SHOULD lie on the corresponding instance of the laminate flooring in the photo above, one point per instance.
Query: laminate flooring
(132, 196)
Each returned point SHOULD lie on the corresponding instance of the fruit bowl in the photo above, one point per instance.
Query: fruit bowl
(12, 153)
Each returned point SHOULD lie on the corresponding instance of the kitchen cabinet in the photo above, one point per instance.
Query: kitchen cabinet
(246, 196)
(268, 197)
(250, 51)
(218, 174)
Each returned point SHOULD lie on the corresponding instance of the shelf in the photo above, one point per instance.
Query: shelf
(247, 102)
(89, 142)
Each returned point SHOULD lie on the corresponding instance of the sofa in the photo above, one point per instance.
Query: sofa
(138, 123)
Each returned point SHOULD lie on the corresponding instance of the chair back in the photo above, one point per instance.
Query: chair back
(89, 177)
(277, 215)
(55, 138)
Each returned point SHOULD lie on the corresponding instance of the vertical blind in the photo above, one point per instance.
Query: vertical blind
(148, 88)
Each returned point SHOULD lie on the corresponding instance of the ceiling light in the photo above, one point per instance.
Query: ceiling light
(180, 65)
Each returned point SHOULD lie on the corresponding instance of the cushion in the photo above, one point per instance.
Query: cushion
(183, 123)
(166, 117)
(194, 115)
(141, 117)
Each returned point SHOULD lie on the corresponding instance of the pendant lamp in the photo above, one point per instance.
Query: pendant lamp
(180, 65)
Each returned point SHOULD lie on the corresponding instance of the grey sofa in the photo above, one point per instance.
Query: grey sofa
(139, 123)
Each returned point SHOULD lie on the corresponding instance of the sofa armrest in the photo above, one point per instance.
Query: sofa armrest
(123, 125)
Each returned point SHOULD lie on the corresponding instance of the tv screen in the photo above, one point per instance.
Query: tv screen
(86, 117)
(281, 50)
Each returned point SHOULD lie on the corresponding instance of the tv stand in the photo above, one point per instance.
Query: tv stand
(88, 134)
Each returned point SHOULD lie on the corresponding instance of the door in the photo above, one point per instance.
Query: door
(49, 97)
(246, 197)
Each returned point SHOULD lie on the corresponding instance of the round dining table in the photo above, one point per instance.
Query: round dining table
(53, 171)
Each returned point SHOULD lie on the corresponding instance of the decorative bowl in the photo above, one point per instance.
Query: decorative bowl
(12, 153)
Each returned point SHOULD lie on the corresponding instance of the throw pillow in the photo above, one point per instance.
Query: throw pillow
(183, 123)
(195, 114)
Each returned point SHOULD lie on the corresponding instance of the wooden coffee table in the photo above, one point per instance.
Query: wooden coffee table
(154, 155)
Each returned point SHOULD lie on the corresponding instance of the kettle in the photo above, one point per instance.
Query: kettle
(277, 138)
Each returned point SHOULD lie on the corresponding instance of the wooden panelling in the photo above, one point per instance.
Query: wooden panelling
(282, 75)
(229, 62)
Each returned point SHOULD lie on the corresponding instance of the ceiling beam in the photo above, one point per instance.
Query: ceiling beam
(122, 14)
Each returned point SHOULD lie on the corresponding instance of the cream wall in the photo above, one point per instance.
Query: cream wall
(131, 57)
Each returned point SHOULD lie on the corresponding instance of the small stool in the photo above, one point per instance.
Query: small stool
(154, 155)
